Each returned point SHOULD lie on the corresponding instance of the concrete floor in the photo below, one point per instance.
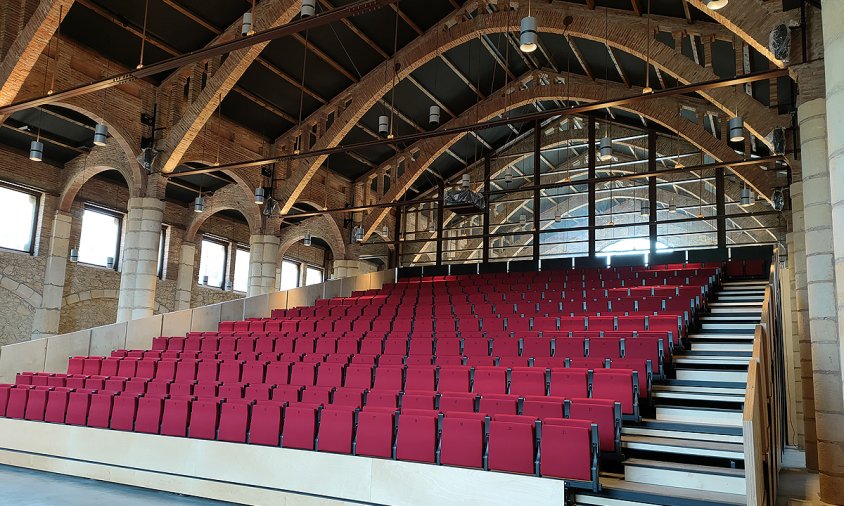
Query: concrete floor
(25, 487)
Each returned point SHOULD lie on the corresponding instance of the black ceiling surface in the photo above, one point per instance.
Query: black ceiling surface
(337, 57)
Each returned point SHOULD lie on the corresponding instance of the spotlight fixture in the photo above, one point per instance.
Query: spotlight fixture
(736, 129)
(100, 134)
(434, 115)
(36, 151)
(465, 181)
(246, 25)
(527, 35)
(259, 195)
(605, 149)
(74, 255)
(307, 239)
(308, 8)
(383, 125)
(199, 204)
(715, 4)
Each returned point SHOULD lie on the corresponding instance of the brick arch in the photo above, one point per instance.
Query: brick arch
(322, 226)
(22, 290)
(233, 196)
(626, 33)
(658, 110)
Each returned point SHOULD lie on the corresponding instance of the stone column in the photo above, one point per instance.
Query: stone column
(185, 276)
(138, 276)
(349, 268)
(46, 320)
(831, 466)
(263, 251)
(791, 347)
(801, 298)
(823, 313)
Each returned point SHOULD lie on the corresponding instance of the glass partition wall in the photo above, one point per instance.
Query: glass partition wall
(581, 186)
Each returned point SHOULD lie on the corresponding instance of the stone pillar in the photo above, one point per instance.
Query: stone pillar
(263, 251)
(185, 276)
(801, 298)
(46, 320)
(138, 276)
(791, 347)
(823, 313)
(831, 465)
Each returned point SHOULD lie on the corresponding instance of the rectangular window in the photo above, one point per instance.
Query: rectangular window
(212, 263)
(241, 270)
(162, 255)
(18, 233)
(313, 275)
(99, 243)
(289, 275)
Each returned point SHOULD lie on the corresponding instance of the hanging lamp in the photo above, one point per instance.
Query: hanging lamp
(259, 195)
(434, 115)
(736, 129)
(527, 33)
(199, 204)
(647, 89)
(307, 239)
(308, 8)
(466, 181)
(715, 4)
(605, 149)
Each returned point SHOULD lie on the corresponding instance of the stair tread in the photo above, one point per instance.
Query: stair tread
(695, 444)
(620, 489)
(682, 466)
(705, 428)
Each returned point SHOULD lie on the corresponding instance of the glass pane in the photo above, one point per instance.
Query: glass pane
(212, 263)
(99, 239)
(289, 275)
(313, 276)
(160, 265)
(241, 270)
(17, 233)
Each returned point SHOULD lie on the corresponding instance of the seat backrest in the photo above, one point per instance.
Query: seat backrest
(569, 382)
(457, 401)
(336, 427)
(375, 434)
(541, 407)
(499, 405)
(453, 379)
(77, 408)
(99, 411)
(527, 381)
(265, 423)
(278, 373)
(512, 444)
(462, 442)
(299, 429)
(417, 436)
(148, 418)
(358, 376)
(615, 384)
(420, 378)
(204, 417)
(565, 450)
(303, 374)
(36, 404)
(389, 377)
(490, 380)
(174, 421)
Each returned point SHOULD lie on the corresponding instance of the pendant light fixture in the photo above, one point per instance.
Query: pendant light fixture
(385, 231)
(259, 195)
(434, 115)
(645, 209)
(747, 197)
(383, 125)
(74, 255)
(678, 164)
(647, 89)
(143, 36)
(465, 181)
(308, 8)
(527, 33)
(100, 134)
(247, 26)
(508, 175)
(307, 239)
(36, 148)
(110, 262)
(605, 149)
(715, 4)
(736, 129)
(672, 207)
(199, 204)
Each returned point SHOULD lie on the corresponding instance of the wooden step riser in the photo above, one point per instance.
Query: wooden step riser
(728, 418)
(712, 375)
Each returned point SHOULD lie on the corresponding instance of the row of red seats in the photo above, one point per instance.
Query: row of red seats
(624, 385)
(565, 448)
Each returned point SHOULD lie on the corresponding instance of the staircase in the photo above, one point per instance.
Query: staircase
(690, 451)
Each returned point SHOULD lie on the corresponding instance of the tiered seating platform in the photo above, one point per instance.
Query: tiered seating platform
(528, 373)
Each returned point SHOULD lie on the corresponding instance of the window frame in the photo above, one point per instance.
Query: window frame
(162, 252)
(236, 246)
(226, 245)
(298, 273)
(316, 268)
(35, 210)
(89, 206)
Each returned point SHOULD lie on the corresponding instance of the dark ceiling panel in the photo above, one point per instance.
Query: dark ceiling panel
(253, 116)
(220, 13)
(288, 54)
(341, 44)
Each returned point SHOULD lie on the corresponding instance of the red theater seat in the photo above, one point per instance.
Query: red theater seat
(566, 450)
(234, 417)
(462, 442)
(265, 423)
(300, 421)
(416, 439)
(374, 434)
(123, 412)
(336, 427)
(148, 419)
(204, 416)
(99, 411)
(174, 421)
(512, 444)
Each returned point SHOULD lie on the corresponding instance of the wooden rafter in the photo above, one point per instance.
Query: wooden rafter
(687, 12)
(618, 68)
(580, 59)
(636, 8)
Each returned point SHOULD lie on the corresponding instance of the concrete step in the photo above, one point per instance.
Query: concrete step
(744, 305)
(713, 449)
(693, 476)
(719, 360)
(618, 492)
(729, 318)
(684, 431)
(745, 283)
(730, 326)
(722, 336)
(722, 346)
(710, 394)
(750, 311)
(710, 416)
(712, 375)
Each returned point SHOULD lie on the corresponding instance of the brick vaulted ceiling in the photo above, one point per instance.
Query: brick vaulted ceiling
(287, 82)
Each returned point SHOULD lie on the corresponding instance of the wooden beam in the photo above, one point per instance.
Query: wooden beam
(192, 16)
(687, 12)
(590, 4)
(290, 80)
(462, 76)
(263, 103)
(580, 59)
(357, 31)
(636, 8)
(324, 57)
(618, 68)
